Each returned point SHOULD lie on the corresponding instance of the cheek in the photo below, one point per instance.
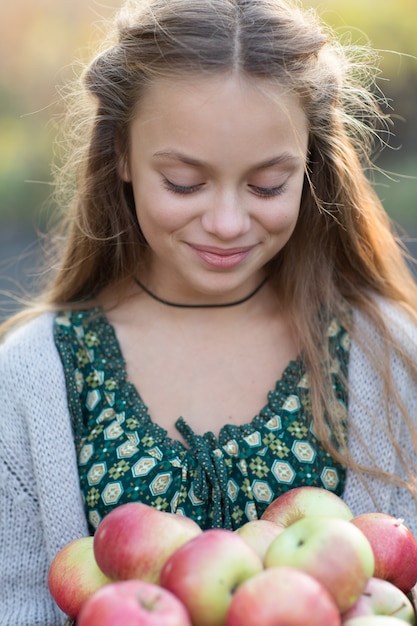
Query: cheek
(283, 216)
(282, 219)
(158, 211)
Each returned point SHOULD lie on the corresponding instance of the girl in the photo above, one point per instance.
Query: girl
(229, 314)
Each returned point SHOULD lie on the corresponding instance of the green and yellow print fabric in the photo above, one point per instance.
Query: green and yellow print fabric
(224, 481)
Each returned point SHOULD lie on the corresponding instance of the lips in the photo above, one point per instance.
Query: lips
(222, 258)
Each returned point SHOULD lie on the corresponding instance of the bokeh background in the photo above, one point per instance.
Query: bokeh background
(41, 39)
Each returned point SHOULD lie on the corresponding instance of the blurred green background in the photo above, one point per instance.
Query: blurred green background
(40, 40)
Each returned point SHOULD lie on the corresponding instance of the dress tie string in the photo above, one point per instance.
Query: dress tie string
(211, 474)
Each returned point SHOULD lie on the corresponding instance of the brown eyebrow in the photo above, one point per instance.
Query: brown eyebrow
(179, 156)
(285, 157)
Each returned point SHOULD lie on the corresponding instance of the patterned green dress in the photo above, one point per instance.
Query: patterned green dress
(224, 481)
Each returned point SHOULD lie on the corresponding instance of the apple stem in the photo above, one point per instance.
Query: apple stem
(149, 605)
(402, 605)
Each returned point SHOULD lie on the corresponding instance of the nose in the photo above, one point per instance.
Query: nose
(226, 217)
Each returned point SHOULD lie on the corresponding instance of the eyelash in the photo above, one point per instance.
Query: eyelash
(180, 189)
(268, 192)
(262, 192)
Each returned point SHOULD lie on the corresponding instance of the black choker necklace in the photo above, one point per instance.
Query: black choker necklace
(201, 306)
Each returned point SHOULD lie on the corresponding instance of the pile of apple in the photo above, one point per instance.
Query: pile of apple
(307, 562)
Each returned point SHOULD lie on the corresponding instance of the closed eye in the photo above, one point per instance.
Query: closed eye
(267, 192)
(181, 189)
(263, 192)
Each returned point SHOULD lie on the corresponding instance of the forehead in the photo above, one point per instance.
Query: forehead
(203, 111)
(230, 91)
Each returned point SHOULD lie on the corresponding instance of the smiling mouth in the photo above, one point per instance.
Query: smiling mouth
(222, 257)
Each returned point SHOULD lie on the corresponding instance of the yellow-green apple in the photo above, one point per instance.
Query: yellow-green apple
(74, 575)
(133, 603)
(306, 501)
(394, 547)
(326, 548)
(374, 620)
(205, 572)
(381, 597)
(259, 534)
(134, 540)
(282, 596)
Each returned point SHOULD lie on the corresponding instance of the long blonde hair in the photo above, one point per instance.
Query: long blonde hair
(343, 251)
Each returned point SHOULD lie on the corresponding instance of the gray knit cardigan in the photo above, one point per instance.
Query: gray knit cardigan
(40, 501)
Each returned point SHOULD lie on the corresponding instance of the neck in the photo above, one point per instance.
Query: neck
(201, 306)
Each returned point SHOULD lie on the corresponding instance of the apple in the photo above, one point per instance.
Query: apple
(134, 540)
(374, 620)
(305, 501)
(327, 549)
(282, 595)
(205, 572)
(259, 534)
(394, 547)
(133, 603)
(74, 575)
(381, 597)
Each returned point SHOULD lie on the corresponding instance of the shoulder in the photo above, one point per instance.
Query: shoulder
(29, 352)
(399, 324)
(390, 343)
(34, 332)
(382, 351)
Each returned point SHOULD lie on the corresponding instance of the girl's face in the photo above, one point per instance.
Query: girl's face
(217, 170)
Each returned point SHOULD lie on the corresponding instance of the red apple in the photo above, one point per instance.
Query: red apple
(205, 572)
(282, 596)
(381, 597)
(74, 575)
(259, 534)
(134, 540)
(374, 620)
(305, 501)
(394, 547)
(133, 603)
(327, 549)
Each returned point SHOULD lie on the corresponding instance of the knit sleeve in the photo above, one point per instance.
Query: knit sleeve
(369, 442)
(35, 445)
